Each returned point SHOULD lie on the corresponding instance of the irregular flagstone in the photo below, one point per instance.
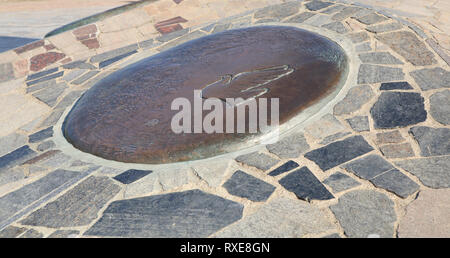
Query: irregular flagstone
(183, 214)
(396, 182)
(220, 27)
(300, 17)
(289, 147)
(369, 74)
(278, 11)
(432, 141)
(258, 160)
(305, 185)
(213, 175)
(327, 125)
(49, 95)
(52, 118)
(339, 152)
(369, 167)
(333, 9)
(19, 199)
(64, 234)
(69, 99)
(188, 37)
(334, 137)
(11, 232)
(434, 223)
(56, 161)
(338, 27)
(80, 64)
(434, 78)
(40, 86)
(284, 168)
(46, 78)
(365, 47)
(359, 37)
(115, 59)
(41, 135)
(407, 44)
(77, 207)
(359, 123)
(390, 137)
(131, 175)
(345, 13)
(384, 27)
(396, 86)
(395, 151)
(11, 175)
(372, 18)
(409, 109)
(85, 77)
(31, 233)
(113, 53)
(16, 157)
(440, 107)
(340, 182)
(363, 212)
(74, 74)
(318, 20)
(169, 36)
(354, 100)
(42, 157)
(280, 218)
(41, 61)
(246, 186)
(11, 142)
(379, 58)
(317, 5)
(433, 172)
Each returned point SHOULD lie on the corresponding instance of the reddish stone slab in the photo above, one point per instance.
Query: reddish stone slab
(40, 61)
(49, 47)
(29, 47)
(169, 29)
(91, 43)
(86, 30)
(171, 21)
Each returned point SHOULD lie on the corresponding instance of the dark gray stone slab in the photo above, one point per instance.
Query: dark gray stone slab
(339, 152)
(113, 53)
(384, 27)
(41, 135)
(278, 11)
(433, 172)
(317, 5)
(115, 59)
(379, 58)
(77, 207)
(131, 176)
(369, 167)
(396, 86)
(359, 123)
(85, 77)
(246, 186)
(299, 18)
(258, 160)
(365, 213)
(15, 201)
(432, 141)
(49, 95)
(396, 182)
(354, 100)
(80, 64)
(284, 168)
(398, 109)
(338, 27)
(305, 185)
(372, 18)
(46, 78)
(440, 107)
(434, 78)
(369, 74)
(64, 234)
(16, 157)
(35, 76)
(6, 72)
(11, 232)
(289, 147)
(340, 182)
(183, 214)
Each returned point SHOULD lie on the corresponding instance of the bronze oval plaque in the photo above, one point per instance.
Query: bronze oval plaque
(127, 116)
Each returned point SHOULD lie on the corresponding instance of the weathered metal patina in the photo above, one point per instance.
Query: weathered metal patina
(127, 116)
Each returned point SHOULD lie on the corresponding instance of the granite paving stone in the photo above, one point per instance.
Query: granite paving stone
(369, 167)
(359, 123)
(35, 76)
(364, 212)
(390, 137)
(407, 44)
(334, 137)
(43, 85)
(49, 95)
(80, 64)
(46, 78)
(395, 151)
(11, 232)
(317, 5)
(113, 53)
(159, 216)
(280, 218)
(338, 27)
(299, 18)
(72, 75)
(16, 157)
(115, 59)
(364, 47)
(340, 182)
(396, 86)
(396, 182)
(325, 126)
(354, 100)
(32, 233)
(258, 160)
(288, 166)
(440, 107)
(21, 198)
(131, 175)
(11, 142)
(78, 207)
(339, 152)
(379, 58)
(384, 27)
(43, 60)
(278, 11)
(246, 186)
(305, 185)
(398, 109)
(64, 234)
(359, 37)
(69, 99)
(289, 147)
(41, 135)
(433, 172)
(85, 77)
(369, 74)
(432, 141)
(372, 18)
(345, 13)
(434, 78)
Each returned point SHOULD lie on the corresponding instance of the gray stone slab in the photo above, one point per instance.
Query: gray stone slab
(379, 58)
(333, 9)
(434, 78)
(69, 99)
(113, 60)
(372, 18)
(334, 137)
(359, 37)
(345, 13)
(78, 207)
(305, 185)
(49, 95)
(6, 72)
(56, 161)
(16, 157)
(280, 218)
(396, 182)
(72, 75)
(15, 201)
(338, 27)
(188, 37)
(409, 110)
(31, 233)
(395, 151)
(384, 27)
(11, 175)
(318, 20)
(11, 232)
(41, 86)
(289, 147)
(171, 36)
(439, 50)
(433, 172)
(369, 74)
(52, 118)
(364, 213)
(221, 27)
(41, 135)
(85, 77)
(407, 44)
(359, 123)
(46, 78)
(113, 53)
(325, 126)
(131, 175)
(317, 5)
(148, 44)
(340, 182)
(369, 167)
(354, 100)
(80, 64)
(365, 47)
(278, 11)
(299, 18)
(258, 160)
(390, 137)
(182, 214)
(284, 168)
(11, 142)
(440, 107)
(64, 234)
(246, 186)
(432, 141)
